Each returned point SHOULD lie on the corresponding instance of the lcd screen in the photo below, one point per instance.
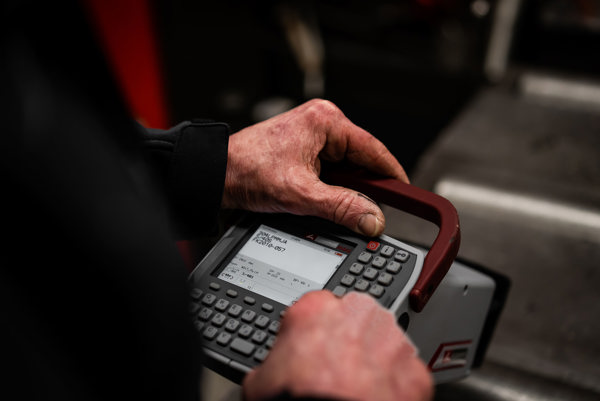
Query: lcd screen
(281, 266)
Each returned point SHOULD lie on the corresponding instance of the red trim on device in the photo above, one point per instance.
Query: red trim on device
(420, 203)
(439, 351)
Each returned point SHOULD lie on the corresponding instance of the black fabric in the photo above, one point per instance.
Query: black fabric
(190, 155)
(93, 293)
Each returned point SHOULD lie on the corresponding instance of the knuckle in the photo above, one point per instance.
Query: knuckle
(320, 108)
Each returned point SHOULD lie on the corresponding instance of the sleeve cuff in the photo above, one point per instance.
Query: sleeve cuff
(190, 160)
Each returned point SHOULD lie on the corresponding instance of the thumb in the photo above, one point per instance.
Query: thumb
(349, 208)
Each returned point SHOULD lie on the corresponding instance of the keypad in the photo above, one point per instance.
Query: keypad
(375, 270)
(242, 325)
(235, 326)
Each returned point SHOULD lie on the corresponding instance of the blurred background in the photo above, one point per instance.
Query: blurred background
(492, 104)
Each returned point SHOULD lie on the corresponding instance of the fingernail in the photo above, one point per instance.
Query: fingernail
(369, 225)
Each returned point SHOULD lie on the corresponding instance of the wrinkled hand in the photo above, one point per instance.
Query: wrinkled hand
(274, 166)
(348, 348)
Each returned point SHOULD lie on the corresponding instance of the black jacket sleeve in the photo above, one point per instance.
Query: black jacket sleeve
(190, 160)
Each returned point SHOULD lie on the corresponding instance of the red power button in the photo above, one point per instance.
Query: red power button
(373, 246)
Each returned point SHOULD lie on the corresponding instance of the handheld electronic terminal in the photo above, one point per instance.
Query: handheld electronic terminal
(265, 263)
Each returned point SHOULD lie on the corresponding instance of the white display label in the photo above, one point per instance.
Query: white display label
(281, 266)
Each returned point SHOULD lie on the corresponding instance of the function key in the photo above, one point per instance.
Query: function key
(364, 257)
(214, 286)
(373, 246)
(402, 255)
(267, 307)
(249, 300)
(387, 251)
(379, 262)
(231, 293)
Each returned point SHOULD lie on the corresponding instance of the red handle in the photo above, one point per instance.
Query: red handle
(423, 204)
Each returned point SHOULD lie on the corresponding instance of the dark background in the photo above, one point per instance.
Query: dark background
(402, 70)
